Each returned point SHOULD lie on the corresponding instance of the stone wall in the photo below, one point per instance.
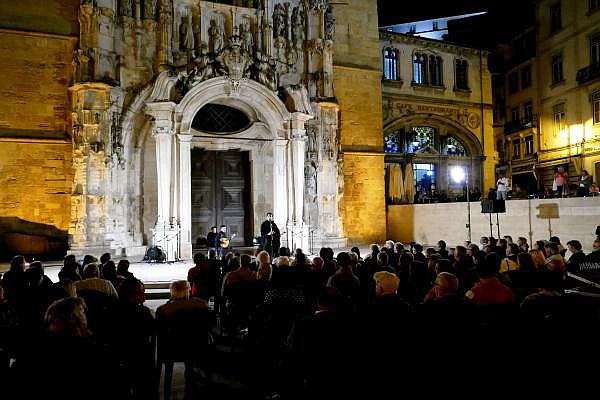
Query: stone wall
(428, 223)
(357, 85)
(35, 152)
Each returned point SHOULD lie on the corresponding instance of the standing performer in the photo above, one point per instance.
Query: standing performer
(271, 237)
(210, 238)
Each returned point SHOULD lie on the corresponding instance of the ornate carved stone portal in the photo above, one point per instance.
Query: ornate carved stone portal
(143, 70)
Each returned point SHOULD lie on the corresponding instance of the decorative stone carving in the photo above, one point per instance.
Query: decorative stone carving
(279, 23)
(246, 37)
(329, 24)
(297, 28)
(215, 33)
(186, 34)
(126, 8)
(265, 71)
(149, 9)
(236, 64)
(203, 69)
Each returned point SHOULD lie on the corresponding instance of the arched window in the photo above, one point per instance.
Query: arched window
(390, 64)
(422, 136)
(392, 142)
(455, 148)
(462, 76)
(420, 68)
(435, 71)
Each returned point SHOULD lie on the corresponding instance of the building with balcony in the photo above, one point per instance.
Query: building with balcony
(437, 113)
(547, 96)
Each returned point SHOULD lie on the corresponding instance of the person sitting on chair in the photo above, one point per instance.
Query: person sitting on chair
(222, 242)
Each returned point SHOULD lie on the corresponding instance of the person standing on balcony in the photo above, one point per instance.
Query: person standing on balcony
(560, 182)
(501, 187)
(585, 182)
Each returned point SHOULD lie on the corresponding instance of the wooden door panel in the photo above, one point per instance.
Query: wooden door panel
(219, 193)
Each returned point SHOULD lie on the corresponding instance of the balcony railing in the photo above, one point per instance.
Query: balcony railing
(588, 73)
(516, 126)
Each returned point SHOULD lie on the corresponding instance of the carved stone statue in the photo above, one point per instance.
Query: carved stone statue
(236, 63)
(246, 38)
(265, 73)
(297, 28)
(203, 69)
(329, 24)
(126, 8)
(215, 34)
(279, 21)
(149, 9)
(186, 35)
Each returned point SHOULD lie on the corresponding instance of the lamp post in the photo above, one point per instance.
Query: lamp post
(460, 174)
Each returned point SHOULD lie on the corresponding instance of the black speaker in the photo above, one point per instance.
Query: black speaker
(598, 230)
(493, 206)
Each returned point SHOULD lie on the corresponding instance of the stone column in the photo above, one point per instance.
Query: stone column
(280, 182)
(166, 230)
(185, 196)
(297, 151)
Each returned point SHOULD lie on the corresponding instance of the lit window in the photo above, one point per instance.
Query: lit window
(390, 64)
(596, 106)
(559, 119)
(392, 142)
(455, 148)
(516, 146)
(557, 69)
(529, 145)
(462, 80)
(555, 17)
(420, 68)
(422, 137)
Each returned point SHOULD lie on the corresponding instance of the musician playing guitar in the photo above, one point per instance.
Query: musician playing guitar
(223, 242)
(271, 237)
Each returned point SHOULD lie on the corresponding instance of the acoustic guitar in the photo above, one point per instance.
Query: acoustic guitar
(226, 242)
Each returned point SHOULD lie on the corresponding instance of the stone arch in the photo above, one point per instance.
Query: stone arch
(254, 99)
(463, 134)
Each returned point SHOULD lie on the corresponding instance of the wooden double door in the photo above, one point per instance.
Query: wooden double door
(221, 194)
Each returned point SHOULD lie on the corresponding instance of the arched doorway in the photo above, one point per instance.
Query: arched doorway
(431, 151)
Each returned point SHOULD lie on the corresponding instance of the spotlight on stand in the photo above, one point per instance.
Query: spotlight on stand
(459, 175)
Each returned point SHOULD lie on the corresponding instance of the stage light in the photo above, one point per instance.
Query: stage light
(458, 174)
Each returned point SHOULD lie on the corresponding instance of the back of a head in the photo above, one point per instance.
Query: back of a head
(33, 277)
(123, 266)
(109, 270)
(382, 259)
(386, 283)
(406, 259)
(91, 270)
(263, 258)
(87, 259)
(418, 248)
(245, 260)
(447, 281)
(442, 244)
(461, 251)
(343, 259)
(104, 258)
(66, 317)
(199, 259)
(443, 265)
(180, 290)
(356, 251)
(555, 239)
(514, 249)
(17, 263)
(284, 251)
(489, 267)
(212, 254)
(131, 291)
(576, 244)
(526, 262)
(69, 258)
(398, 247)
(233, 264)
(551, 248)
(318, 263)
(374, 249)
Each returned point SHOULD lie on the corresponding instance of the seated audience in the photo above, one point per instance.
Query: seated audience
(202, 278)
(489, 290)
(445, 286)
(594, 256)
(344, 279)
(555, 262)
(241, 272)
(509, 263)
(91, 281)
(577, 255)
(123, 270)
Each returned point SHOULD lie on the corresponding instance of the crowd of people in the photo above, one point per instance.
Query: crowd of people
(493, 316)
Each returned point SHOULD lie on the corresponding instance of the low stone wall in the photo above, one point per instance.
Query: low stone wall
(568, 219)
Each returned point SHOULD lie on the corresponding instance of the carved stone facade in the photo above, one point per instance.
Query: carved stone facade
(142, 71)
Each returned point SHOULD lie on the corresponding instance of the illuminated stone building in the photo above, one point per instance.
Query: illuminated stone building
(437, 113)
(547, 98)
(137, 122)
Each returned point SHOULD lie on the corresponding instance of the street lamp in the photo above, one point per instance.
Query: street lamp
(460, 174)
